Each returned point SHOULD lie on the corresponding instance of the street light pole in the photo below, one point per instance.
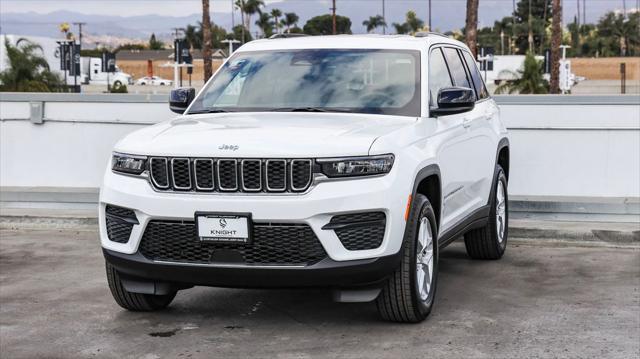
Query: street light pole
(333, 9)
(384, 18)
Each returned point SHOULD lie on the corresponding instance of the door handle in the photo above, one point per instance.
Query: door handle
(466, 122)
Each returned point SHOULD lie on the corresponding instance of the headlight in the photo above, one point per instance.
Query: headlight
(128, 163)
(356, 166)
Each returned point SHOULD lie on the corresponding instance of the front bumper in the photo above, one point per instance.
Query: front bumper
(327, 273)
(315, 208)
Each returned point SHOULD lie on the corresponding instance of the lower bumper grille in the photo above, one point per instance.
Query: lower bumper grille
(119, 223)
(273, 244)
(360, 231)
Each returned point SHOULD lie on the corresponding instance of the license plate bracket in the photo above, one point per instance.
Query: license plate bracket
(224, 227)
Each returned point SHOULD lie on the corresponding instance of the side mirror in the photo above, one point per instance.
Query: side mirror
(452, 100)
(181, 98)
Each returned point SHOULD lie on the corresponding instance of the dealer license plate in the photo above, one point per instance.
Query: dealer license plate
(223, 228)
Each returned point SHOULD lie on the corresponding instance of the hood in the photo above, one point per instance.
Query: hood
(262, 134)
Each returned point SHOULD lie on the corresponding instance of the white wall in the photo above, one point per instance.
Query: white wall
(561, 145)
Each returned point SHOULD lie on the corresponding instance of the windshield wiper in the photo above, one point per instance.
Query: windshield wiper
(308, 109)
(213, 110)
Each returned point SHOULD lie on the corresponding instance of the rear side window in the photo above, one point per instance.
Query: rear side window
(481, 90)
(438, 75)
(458, 71)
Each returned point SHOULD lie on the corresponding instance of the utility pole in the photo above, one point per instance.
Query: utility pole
(80, 24)
(530, 37)
(430, 28)
(384, 18)
(578, 16)
(333, 10)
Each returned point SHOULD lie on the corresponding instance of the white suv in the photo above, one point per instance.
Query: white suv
(345, 162)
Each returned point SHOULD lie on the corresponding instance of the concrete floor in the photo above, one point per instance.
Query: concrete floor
(540, 300)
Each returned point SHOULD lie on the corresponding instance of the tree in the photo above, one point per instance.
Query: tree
(193, 35)
(624, 32)
(412, 24)
(155, 44)
(374, 22)
(290, 19)
(241, 6)
(241, 33)
(323, 25)
(251, 7)
(276, 14)
(401, 28)
(540, 10)
(265, 24)
(529, 80)
(556, 40)
(206, 40)
(27, 71)
(471, 26)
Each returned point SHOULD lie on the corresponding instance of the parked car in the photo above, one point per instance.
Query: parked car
(342, 162)
(153, 80)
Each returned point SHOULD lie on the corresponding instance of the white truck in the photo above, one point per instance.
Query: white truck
(91, 68)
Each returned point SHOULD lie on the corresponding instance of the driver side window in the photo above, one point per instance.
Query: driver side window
(439, 77)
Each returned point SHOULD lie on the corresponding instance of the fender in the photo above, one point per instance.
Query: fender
(430, 170)
(504, 142)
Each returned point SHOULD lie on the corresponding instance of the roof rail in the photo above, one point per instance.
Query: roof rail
(286, 36)
(429, 33)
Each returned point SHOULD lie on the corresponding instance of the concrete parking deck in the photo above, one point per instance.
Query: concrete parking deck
(542, 300)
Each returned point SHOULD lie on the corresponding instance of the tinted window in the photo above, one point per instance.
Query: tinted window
(343, 80)
(458, 71)
(438, 75)
(481, 90)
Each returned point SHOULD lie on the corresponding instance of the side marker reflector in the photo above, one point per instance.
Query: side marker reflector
(406, 212)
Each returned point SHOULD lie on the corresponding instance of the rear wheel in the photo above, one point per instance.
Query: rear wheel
(408, 295)
(490, 241)
(135, 301)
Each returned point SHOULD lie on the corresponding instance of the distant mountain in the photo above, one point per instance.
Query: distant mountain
(447, 15)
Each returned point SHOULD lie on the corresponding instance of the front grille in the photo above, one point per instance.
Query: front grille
(272, 244)
(360, 231)
(230, 175)
(119, 223)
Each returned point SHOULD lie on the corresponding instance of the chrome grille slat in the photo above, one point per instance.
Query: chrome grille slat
(248, 175)
(276, 175)
(203, 174)
(181, 173)
(228, 175)
(248, 170)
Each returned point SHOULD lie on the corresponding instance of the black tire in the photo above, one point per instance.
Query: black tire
(400, 299)
(485, 243)
(117, 83)
(136, 302)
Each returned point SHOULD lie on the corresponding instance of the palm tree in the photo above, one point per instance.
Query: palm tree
(240, 4)
(276, 13)
(374, 22)
(529, 80)
(471, 26)
(414, 24)
(206, 40)
(290, 19)
(556, 40)
(265, 24)
(27, 71)
(625, 31)
(252, 7)
(401, 28)
(193, 35)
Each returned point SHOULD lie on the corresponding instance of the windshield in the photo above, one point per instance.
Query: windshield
(332, 80)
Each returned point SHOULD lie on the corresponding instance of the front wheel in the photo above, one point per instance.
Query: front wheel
(137, 302)
(408, 295)
(490, 241)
